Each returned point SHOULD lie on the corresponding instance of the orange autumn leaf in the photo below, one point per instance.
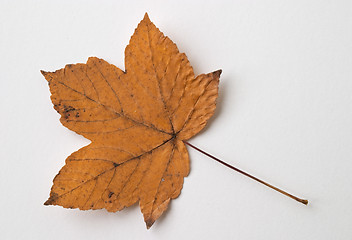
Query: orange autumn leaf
(136, 120)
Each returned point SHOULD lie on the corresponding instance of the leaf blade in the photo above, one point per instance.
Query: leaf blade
(136, 119)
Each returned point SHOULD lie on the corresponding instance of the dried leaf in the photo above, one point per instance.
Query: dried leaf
(136, 119)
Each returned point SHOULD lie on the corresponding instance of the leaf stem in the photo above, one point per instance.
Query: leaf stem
(304, 201)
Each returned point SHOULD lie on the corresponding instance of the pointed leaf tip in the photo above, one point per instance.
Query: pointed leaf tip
(217, 73)
(149, 223)
(53, 197)
(146, 17)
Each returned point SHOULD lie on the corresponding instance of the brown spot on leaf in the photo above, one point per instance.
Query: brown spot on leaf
(110, 194)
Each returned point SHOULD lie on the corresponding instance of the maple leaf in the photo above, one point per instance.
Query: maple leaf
(136, 120)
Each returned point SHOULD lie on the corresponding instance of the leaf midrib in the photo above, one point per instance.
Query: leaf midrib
(115, 112)
(114, 167)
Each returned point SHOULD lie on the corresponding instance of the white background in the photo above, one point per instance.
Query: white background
(284, 115)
